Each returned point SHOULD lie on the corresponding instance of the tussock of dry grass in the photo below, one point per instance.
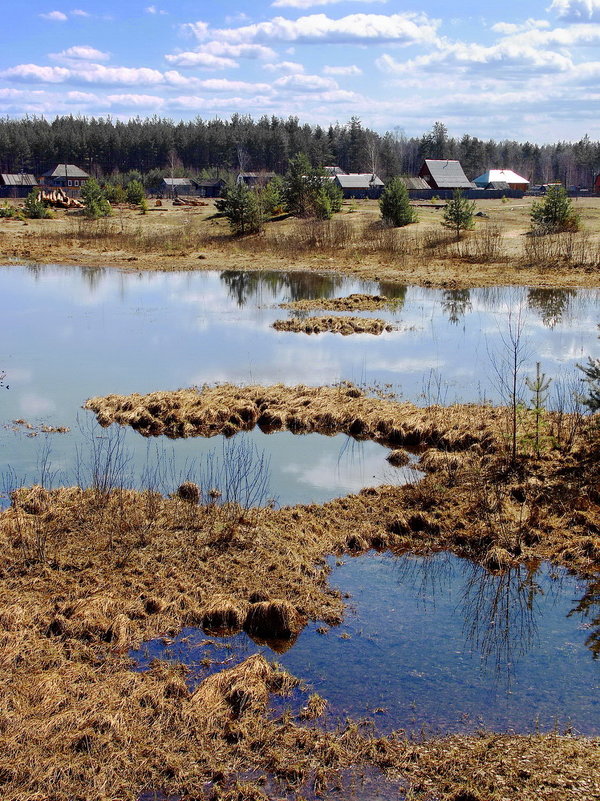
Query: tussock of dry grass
(336, 325)
(354, 302)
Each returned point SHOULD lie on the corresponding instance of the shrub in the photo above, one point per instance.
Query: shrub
(34, 208)
(242, 208)
(458, 214)
(554, 214)
(394, 204)
(7, 211)
(135, 192)
(95, 203)
(115, 193)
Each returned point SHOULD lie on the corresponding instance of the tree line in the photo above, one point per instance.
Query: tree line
(217, 147)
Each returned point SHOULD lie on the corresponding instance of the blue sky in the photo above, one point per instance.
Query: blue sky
(522, 70)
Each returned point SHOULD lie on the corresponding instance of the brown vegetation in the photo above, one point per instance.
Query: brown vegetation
(336, 325)
(354, 302)
(88, 574)
(498, 252)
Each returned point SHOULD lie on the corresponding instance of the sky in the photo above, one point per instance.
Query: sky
(524, 70)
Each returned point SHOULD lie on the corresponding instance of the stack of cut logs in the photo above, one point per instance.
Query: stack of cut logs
(179, 201)
(59, 199)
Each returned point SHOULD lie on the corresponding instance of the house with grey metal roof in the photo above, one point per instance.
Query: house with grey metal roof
(508, 177)
(67, 176)
(360, 185)
(16, 184)
(444, 174)
(253, 179)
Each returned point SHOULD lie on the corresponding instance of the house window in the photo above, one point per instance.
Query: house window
(70, 183)
(75, 183)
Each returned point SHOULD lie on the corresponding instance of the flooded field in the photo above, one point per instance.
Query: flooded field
(435, 645)
(72, 333)
(429, 644)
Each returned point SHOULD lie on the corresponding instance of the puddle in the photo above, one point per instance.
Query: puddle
(434, 645)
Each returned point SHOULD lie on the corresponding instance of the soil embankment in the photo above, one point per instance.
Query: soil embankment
(335, 325)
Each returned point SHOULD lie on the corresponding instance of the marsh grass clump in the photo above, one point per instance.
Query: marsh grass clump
(272, 620)
(224, 614)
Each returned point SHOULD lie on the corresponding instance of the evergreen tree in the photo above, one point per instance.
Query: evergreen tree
(458, 214)
(242, 208)
(395, 205)
(135, 192)
(95, 203)
(592, 378)
(309, 191)
(33, 208)
(555, 213)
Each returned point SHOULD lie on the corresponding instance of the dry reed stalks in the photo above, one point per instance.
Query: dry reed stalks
(273, 620)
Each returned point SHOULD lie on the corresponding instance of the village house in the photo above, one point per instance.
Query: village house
(16, 184)
(255, 179)
(444, 174)
(212, 187)
(67, 176)
(360, 185)
(501, 179)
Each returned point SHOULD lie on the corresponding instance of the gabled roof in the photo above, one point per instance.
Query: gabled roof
(508, 176)
(210, 182)
(360, 180)
(18, 179)
(66, 171)
(256, 175)
(497, 185)
(334, 170)
(412, 182)
(447, 174)
(178, 181)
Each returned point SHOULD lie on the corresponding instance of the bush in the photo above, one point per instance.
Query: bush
(135, 192)
(458, 214)
(115, 193)
(95, 203)
(394, 204)
(242, 208)
(7, 211)
(34, 208)
(554, 214)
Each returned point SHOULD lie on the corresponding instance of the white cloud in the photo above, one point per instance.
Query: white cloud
(55, 16)
(510, 28)
(305, 83)
(286, 67)
(402, 29)
(155, 10)
(77, 12)
(202, 60)
(311, 3)
(80, 53)
(577, 10)
(350, 70)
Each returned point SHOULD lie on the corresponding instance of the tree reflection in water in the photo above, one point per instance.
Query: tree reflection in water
(456, 303)
(550, 304)
(589, 607)
(245, 286)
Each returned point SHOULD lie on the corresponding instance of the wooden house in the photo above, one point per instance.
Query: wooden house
(213, 187)
(444, 174)
(67, 176)
(17, 184)
(255, 179)
(360, 185)
(507, 178)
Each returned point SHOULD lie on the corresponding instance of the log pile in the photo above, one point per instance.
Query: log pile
(58, 199)
(188, 201)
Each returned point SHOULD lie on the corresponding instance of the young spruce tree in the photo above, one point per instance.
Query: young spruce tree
(458, 214)
(394, 204)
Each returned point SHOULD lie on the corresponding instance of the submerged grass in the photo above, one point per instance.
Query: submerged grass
(116, 570)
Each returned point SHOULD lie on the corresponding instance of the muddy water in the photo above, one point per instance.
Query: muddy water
(437, 645)
(70, 333)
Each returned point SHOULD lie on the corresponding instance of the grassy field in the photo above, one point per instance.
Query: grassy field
(497, 252)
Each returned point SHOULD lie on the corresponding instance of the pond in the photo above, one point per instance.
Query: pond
(71, 333)
(434, 645)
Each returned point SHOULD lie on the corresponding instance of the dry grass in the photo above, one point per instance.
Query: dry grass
(77, 723)
(497, 252)
(354, 302)
(336, 325)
